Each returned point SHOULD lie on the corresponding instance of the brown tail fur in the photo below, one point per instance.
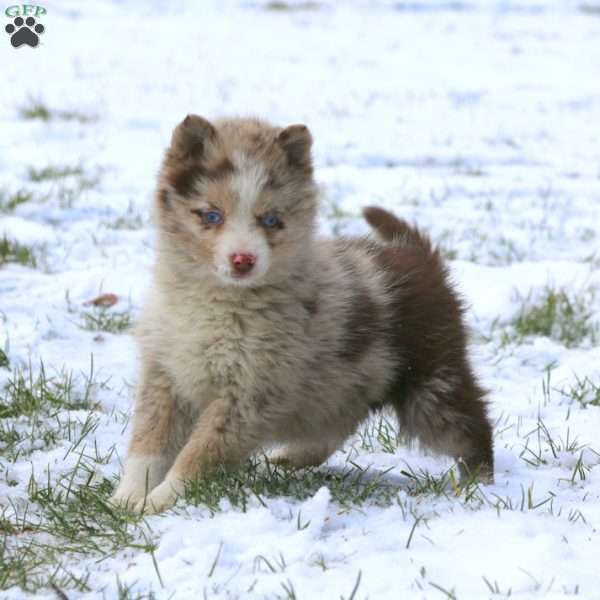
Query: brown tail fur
(392, 229)
(436, 395)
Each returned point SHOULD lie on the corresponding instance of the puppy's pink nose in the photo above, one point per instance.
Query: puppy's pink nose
(242, 262)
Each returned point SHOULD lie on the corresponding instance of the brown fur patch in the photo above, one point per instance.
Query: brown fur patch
(274, 182)
(362, 320)
(361, 327)
(183, 177)
(311, 306)
(428, 330)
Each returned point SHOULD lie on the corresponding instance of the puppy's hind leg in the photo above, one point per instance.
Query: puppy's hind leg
(450, 418)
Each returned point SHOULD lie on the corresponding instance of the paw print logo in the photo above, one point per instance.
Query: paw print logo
(24, 32)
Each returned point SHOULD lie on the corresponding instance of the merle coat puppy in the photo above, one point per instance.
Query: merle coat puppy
(255, 332)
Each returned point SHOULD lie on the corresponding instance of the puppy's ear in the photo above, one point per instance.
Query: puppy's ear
(191, 135)
(296, 141)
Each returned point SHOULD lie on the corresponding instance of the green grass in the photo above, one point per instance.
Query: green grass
(379, 434)
(37, 109)
(505, 252)
(101, 318)
(259, 479)
(106, 319)
(65, 521)
(4, 362)
(70, 518)
(542, 447)
(66, 516)
(448, 253)
(129, 221)
(124, 592)
(493, 250)
(563, 316)
(351, 486)
(35, 412)
(444, 242)
(10, 201)
(424, 483)
(14, 252)
(68, 194)
(585, 392)
(336, 215)
(70, 182)
(462, 167)
(51, 173)
(27, 395)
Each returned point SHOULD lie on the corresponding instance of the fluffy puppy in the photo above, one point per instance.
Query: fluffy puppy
(257, 333)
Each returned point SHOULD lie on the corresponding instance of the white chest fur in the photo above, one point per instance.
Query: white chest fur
(210, 347)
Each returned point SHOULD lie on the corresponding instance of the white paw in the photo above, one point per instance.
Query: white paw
(127, 495)
(161, 498)
(142, 474)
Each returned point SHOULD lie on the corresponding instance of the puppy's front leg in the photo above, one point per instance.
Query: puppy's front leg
(221, 437)
(150, 454)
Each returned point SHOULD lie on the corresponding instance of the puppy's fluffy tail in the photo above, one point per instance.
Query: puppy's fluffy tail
(392, 229)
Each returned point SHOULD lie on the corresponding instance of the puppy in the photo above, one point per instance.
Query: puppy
(257, 333)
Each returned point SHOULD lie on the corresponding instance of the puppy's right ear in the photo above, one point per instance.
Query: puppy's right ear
(191, 135)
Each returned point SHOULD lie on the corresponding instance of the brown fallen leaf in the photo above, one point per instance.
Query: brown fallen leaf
(105, 300)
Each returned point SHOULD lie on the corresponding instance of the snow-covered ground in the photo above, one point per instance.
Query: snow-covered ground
(477, 120)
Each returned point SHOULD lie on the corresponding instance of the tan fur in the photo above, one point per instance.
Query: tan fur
(298, 352)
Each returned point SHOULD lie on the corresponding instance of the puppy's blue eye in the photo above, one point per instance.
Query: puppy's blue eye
(213, 217)
(270, 220)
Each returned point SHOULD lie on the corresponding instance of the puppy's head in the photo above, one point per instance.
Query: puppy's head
(236, 199)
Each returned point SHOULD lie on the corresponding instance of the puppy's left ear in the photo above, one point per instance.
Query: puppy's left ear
(296, 141)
